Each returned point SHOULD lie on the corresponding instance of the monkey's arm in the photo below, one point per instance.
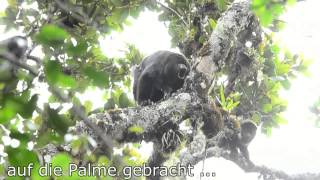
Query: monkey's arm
(244, 151)
(136, 72)
(144, 87)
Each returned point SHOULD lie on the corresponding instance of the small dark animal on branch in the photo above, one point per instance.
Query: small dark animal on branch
(11, 55)
(159, 74)
(12, 49)
(247, 133)
(16, 45)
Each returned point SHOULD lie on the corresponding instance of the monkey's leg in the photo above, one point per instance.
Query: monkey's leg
(156, 94)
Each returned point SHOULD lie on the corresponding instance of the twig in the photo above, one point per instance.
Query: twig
(174, 11)
(81, 18)
(34, 58)
(14, 61)
(107, 141)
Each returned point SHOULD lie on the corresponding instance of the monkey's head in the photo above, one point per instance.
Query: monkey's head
(176, 71)
(248, 131)
(17, 46)
(182, 71)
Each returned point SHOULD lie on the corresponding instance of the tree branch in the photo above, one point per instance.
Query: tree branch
(81, 18)
(151, 118)
(13, 60)
(173, 11)
(106, 140)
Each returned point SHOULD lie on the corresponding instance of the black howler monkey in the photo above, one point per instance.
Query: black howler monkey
(238, 142)
(247, 133)
(161, 73)
(16, 47)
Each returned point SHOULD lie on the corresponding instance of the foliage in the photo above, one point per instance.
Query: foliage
(68, 33)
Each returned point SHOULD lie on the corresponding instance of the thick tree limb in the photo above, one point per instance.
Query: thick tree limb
(151, 118)
(234, 28)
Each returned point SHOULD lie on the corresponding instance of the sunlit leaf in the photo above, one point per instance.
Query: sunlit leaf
(24, 138)
(124, 101)
(57, 122)
(51, 35)
(136, 129)
(78, 49)
(29, 107)
(62, 160)
(213, 23)
(21, 157)
(55, 76)
(267, 108)
(100, 79)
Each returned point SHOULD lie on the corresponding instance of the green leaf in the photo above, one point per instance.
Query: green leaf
(62, 160)
(77, 50)
(57, 122)
(54, 75)
(110, 104)
(24, 138)
(221, 4)
(134, 12)
(277, 9)
(136, 129)
(88, 106)
(212, 23)
(29, 107)
(21, 157)
(286, 84)
(266, 18)
(222, 98)
(232, 105)
(256, 118)
(116, 2)
(267, 108)
(291, 2)
(120, 15)
(280, 120)
(9, 110)
(269, 131)
(12, 2)
(98, 54)
(100, 79)
(258, 3)
(51, 35)
(124, 101)
(13, 104)
(282, 69)
(49, 137)
(103, 161)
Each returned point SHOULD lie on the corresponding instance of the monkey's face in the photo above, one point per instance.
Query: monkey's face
(17, 46)
(248, 132)
(175, 73)
(182, 71)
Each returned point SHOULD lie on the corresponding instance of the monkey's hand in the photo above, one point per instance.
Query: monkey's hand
(171, 140)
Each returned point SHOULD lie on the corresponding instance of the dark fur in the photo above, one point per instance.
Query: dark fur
(161, 73)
